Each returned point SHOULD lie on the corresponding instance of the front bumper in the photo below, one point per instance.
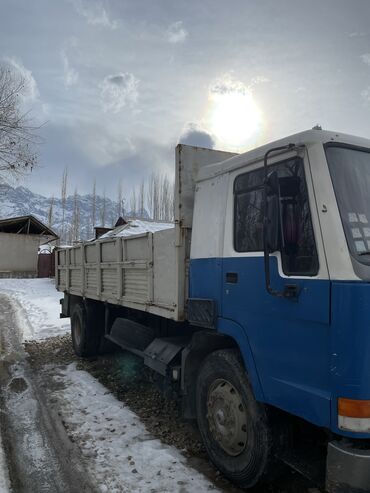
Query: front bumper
(347, 468)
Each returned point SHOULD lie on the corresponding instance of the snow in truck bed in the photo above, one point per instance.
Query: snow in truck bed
(137, 227)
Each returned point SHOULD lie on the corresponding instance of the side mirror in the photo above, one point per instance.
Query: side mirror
(272, 231)
(273, 190)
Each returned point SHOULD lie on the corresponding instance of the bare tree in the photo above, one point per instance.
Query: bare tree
(160, 198)
(112, 217)
(150, 196)
(153, 196)
(103, 211)
(119, 199)
(51, 212)
(93, 207)
(133, 203)
(63, 201)
(165, 199)
(141, 199)
(75, 228)
(17, 136)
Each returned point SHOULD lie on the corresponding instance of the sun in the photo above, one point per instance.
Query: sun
(234, 118)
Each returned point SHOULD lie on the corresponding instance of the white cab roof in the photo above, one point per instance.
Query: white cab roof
(308, 137)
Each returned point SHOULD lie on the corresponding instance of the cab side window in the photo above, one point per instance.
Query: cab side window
(248, 213)
(297, 241)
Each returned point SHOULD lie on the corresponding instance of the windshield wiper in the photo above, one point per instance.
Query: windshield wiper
(365, 253)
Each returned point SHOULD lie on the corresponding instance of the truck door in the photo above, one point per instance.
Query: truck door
(288, 338)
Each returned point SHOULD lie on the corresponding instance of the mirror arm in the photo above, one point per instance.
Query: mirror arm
(266, 253)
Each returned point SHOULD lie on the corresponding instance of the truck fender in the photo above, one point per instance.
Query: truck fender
(237, 332)
(203, 343)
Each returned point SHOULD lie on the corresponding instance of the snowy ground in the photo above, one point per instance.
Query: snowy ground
(36, 302)
(122, 455)
(116, 449)
(4, 476)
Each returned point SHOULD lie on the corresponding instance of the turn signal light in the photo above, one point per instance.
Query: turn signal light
(353, 408)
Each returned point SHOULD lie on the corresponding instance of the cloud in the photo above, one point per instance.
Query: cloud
(176, 33)
(196, 136)
(259, 79)
(95, 13)
(118, 91)
(103, 144)
(228, 85)
(300, 90)
(30, 92)
(366, 58)
(366, 94)
(70, 75)
(356, 34)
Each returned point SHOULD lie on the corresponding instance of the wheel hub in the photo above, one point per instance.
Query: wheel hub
(227, 418)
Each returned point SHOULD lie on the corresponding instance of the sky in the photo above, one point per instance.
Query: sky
(116, 84)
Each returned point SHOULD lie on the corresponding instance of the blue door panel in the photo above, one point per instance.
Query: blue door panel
(289, 341)
(313, 303)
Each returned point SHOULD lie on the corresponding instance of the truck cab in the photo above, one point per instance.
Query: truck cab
(304, 332)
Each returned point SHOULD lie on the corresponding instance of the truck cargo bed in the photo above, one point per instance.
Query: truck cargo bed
(147, 272)
(138, 272)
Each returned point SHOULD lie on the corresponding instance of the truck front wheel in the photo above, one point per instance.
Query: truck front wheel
(232, 423)
(86, 330)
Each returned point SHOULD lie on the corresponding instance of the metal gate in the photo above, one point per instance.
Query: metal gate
(46, 265)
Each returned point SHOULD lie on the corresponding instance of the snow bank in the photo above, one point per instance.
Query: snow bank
(36, 302)
(122, 455)
(137, 227)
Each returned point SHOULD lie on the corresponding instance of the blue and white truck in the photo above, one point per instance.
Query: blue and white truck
(254, 308)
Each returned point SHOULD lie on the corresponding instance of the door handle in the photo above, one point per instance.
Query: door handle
(232, 277)
(291, 291)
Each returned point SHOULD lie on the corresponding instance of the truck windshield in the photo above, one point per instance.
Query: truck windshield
(350, 172)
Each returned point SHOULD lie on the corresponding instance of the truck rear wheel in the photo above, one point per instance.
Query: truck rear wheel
(232, 423)
(86, 330)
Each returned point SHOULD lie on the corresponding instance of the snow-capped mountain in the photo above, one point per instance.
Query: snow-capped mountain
(20, 201)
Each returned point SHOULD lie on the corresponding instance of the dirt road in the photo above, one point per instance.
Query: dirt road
(130, 381)
(44, 454)
(39, 454)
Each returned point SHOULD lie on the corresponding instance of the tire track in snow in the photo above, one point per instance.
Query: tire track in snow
(38, 452)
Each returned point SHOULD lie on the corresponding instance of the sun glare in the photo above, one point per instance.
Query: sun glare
(234, 118)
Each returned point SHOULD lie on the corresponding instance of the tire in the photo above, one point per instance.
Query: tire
(233, 425)
(86, 329)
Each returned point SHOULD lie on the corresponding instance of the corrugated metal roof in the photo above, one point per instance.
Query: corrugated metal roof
(25, 225)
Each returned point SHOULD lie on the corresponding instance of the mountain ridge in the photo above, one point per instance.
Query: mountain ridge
(21, 201)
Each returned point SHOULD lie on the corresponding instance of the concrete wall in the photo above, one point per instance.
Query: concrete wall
(18, 255)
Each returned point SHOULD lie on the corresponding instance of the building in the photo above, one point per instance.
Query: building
(20, 239)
